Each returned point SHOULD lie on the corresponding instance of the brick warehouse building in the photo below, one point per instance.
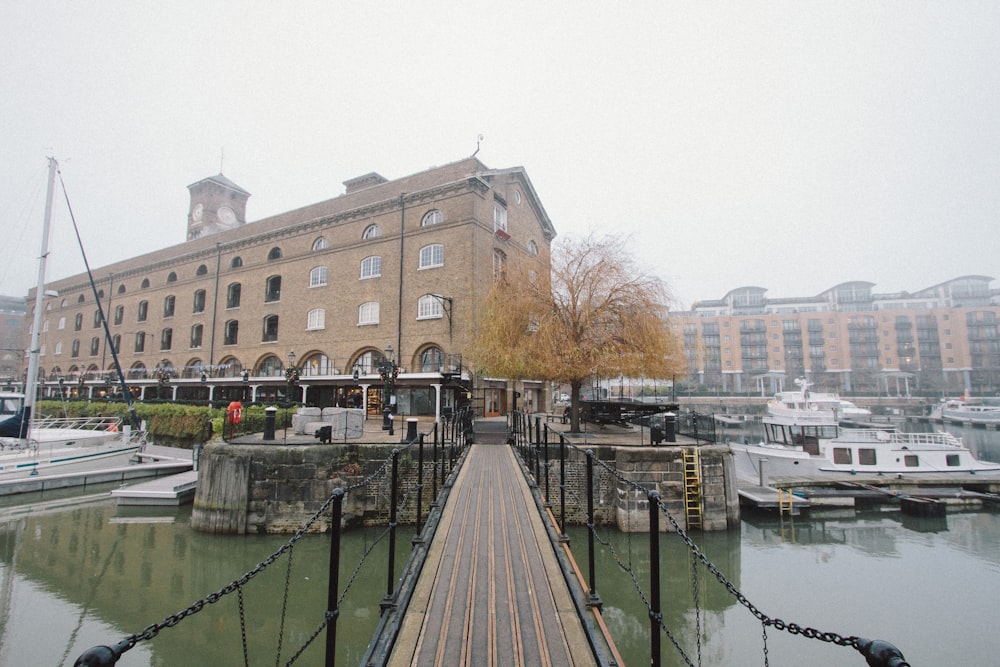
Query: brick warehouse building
(389, 268)
(939, 340)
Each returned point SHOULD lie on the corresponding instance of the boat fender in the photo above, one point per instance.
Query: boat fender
(102, 656)
(879, 653)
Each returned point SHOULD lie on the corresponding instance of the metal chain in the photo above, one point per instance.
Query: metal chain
(763, 634)
(243, 628)
(284, 608)
(695, 594)
(777, 623)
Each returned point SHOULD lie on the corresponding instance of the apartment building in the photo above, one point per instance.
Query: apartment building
(939, 340)
(310, 304)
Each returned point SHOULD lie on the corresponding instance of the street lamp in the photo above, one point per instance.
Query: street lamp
(388, 370)
(246, 385)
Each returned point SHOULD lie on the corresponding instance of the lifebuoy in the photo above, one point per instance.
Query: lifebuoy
(234, 412)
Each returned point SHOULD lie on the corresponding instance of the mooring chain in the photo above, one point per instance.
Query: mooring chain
(357, 570)
(777, 623)
(151, 631)
(243, 628)
(284, 607)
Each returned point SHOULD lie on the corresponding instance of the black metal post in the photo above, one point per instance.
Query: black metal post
(562, 488)
(417, 539)
(595, 600)
(332, 593)
(390, 586)
(545, 444)
(653, 498)
(538, 440)
(434, 458)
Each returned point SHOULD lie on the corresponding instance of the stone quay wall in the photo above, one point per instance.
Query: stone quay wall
(266, 488)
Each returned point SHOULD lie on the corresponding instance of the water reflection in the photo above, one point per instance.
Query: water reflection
(100, 573)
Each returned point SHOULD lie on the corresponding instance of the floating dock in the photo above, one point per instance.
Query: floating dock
(173, 490)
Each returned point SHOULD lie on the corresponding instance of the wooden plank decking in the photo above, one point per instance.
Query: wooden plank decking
(491, 592)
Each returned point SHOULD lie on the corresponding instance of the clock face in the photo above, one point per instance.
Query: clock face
(196, 212)
(226, 215)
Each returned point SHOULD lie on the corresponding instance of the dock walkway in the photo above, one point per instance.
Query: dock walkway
(491, 592)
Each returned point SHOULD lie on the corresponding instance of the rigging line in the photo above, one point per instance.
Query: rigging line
(126, 394)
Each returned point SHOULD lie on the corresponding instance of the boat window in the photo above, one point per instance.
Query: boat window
(842, 455)
(866, 457)
(911, 460)
(952, 460)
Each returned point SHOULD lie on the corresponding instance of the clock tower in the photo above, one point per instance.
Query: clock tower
(217, 204)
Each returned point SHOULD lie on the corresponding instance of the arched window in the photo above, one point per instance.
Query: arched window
(199, 301)
(138, 371)
(371, 267)
(236, 263)
(97, 319)
(168, 305)
(143, 311)
(316, 319)
(202, 270)
(233, 295)
(145, 284)
(121, 289)
(429, 307)
(58, 349)
(320, 244)
(431, 360)
(95, 346)
(272, 289)
(432, 217)
(270, 366)
(62, 323)
(78, 322)
(270, 334)
(196, 333)
(317, 277)
(166, 338)
(368, 313)
(62, 304)
(431, 256)
(274, 253)
(532, 247)
(100, 296)
(371, 232)
(368, 362)
(80, 299)
(140, 341)
(76, 348)
(171, 277)
(231, 334)
(119, 313)
(116, 342)
(318, 364)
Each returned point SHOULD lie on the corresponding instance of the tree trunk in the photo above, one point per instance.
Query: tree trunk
(574, 405)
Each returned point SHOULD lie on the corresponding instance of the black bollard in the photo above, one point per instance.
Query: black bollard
(411, 429)
(880, 653)
(269, 417)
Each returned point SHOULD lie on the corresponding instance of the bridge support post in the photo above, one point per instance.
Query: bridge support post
(655, 615)
(389, 601)
(332, 594)
(595, 599)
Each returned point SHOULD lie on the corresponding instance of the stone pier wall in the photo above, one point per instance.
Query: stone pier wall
(277, 488)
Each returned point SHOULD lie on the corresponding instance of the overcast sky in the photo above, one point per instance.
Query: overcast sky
(792, 146)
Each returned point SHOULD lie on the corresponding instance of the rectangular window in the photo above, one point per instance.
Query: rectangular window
(499, 217)
(431, 256)
(316, 319)
(866, 456)
(952, 460)
(317, 277)
(842, 456)
(911, 460)
(368, 313)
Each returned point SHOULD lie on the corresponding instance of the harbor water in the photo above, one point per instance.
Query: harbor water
(78, 574)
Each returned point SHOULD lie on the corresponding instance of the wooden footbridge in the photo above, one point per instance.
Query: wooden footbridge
(491, 591)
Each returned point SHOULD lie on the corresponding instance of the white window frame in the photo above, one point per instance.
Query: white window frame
(499, 217)
(432, 217)
(320, 244)
(371, 267)
(317, 277)
(316, 319)
(429, 307)
(372, 231)
(368, 313)
(431, 256)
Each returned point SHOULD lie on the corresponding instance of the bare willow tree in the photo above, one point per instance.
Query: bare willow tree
(596, 315)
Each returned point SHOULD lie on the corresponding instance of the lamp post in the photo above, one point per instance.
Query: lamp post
(291, 376)
(246, 385)
(388, 370)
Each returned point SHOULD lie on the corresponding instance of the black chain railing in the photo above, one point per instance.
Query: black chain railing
(532, 446)
(451, 449)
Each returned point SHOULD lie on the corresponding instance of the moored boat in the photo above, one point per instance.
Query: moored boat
(803, 438)
(968, 411)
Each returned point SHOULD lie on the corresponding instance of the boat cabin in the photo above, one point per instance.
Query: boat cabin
(806, 436)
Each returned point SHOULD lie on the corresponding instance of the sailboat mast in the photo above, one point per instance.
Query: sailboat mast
(31, 381)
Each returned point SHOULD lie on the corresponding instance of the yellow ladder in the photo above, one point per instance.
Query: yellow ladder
(784, 505)
(692, 488)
